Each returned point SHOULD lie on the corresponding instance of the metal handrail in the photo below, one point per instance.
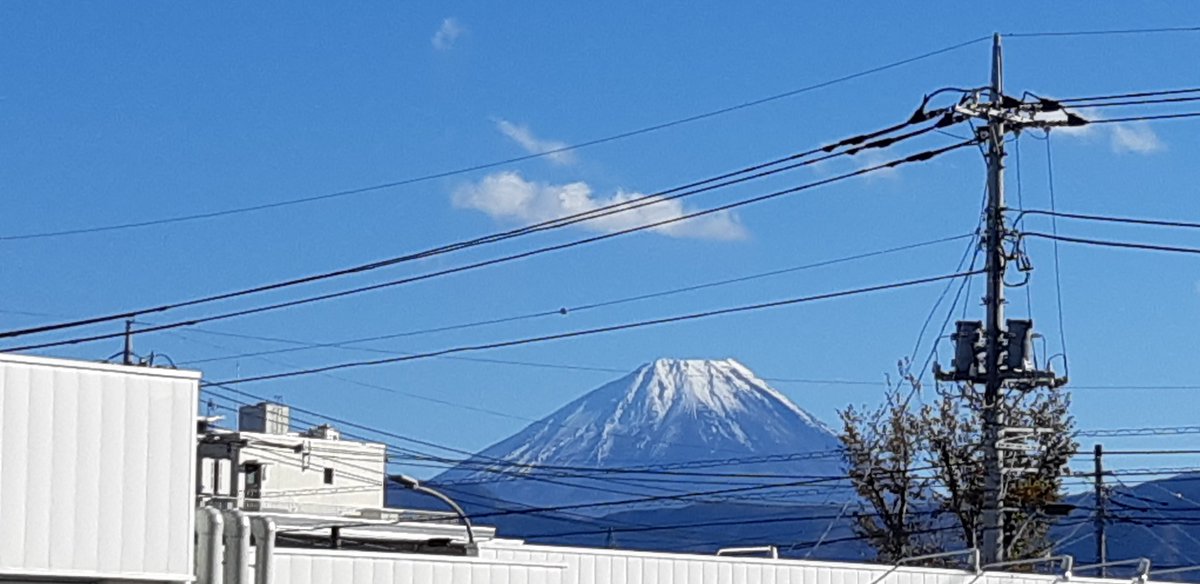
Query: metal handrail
(1173, 571)
(1143, 565)
(1065, 562)
(973, 552)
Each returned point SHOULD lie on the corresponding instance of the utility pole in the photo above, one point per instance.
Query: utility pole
(128, 351)
(1101, 519)
(993, 496)
(996, 353)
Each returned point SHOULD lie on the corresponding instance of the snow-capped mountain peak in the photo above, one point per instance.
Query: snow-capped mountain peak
(667, 411)
(720, 385)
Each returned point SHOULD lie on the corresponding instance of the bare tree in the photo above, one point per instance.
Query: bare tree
(883, 449)
(919, 470)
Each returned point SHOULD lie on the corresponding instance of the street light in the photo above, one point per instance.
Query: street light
(414, 485)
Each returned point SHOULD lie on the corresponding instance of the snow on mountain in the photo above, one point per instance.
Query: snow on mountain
(711, 413)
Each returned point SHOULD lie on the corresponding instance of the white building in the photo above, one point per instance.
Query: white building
(264, 465)
(96, 471)
(99, 483)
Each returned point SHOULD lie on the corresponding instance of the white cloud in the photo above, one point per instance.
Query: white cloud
(1126, 137)
(508, 196)
(872, 158)
(525, 138)
(447, 34)
(1137, 138)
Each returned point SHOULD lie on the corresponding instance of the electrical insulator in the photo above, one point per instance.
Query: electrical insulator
(968, 340)
(1020, 345)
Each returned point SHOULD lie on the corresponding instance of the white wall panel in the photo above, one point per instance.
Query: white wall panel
(96, 469)
(603, 566)
(306, 566)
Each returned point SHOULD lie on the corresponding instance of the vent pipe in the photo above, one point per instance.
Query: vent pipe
(210, 528)
(263, 529)
(237, 547)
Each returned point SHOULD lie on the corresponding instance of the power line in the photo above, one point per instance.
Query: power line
(742, 488)
(1109, 32)
(974, 244)
(919, 157)
(566, 310)
(667, 497)
(504, 162)
(942, 297)
(1146, 118)
(1062, 338)
(651, 469)
(1110, 243)
(1021, 203)
(464, 406)
(1076, 100)
(492, 464)
(701, 524)
(539, 479)
(535, 364)
(1112, 219)
(603, 329)
(1145, 431)
(1126, 103)
(447, 248)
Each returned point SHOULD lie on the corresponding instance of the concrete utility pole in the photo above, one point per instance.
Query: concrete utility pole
(997, 354)
(1101, 513)
(993, 496)
(128, 350)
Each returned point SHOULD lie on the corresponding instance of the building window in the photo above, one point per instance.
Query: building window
(253, 474)
(329, 476)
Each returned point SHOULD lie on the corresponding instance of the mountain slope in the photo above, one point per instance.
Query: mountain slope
(711, 416)
(1156, 519)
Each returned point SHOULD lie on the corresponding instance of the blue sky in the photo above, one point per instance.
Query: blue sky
(114, 113)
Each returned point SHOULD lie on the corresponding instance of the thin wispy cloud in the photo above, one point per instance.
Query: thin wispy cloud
(527, 140)
(507, 196)
(1138, 138)
(447, 34)
(1123, 138)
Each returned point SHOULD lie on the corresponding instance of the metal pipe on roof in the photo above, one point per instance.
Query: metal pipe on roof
(210, 527)
(263, 529)
(237, 547)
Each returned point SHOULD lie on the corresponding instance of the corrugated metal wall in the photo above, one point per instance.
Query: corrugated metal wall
(97, 467)
(596, 566)
(345, 567)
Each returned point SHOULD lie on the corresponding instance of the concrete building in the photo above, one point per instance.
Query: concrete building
(263, 465)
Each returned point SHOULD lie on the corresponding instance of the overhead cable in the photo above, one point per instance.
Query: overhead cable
(603, 329)
(704, 185)
(567, 310)
(1114, 244)
(504, 162)
(1112, 218)
(1137, 94)
(1102, 32)
(919, 157)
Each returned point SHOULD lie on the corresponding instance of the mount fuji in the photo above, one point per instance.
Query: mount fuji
(702, 417)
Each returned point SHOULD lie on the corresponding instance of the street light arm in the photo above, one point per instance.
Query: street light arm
(462, 516)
